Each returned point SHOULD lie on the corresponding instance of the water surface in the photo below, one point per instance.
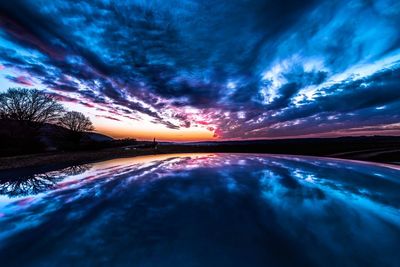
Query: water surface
(203, 210)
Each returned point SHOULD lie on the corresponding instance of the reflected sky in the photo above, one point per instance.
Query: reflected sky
(204, 210)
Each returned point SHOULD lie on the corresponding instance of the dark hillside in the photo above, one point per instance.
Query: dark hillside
(18, 138)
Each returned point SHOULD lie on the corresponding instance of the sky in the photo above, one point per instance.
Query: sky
(211, 69)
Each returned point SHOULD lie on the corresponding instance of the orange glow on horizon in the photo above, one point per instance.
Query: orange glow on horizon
(119, 131)
(144, 129)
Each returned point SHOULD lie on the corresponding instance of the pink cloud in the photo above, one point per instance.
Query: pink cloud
(108, 117)
(24, 80)
(20, 80)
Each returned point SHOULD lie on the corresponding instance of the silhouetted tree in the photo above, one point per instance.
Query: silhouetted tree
(23, 112)
(29, 105)
(77, 124)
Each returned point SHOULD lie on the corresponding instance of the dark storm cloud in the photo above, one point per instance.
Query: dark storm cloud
(370, 92)
(369, 101)
(243, 64)
(156, 35)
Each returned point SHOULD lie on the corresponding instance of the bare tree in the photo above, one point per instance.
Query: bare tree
(30, 105)
(76, 122)
(23, 112)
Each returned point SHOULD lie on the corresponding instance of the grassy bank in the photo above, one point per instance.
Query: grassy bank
(372, 152)
(69, 158)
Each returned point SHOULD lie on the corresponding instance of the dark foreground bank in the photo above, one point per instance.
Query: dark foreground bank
(376, 149)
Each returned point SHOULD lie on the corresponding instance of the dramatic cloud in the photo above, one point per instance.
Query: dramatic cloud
(239, 69)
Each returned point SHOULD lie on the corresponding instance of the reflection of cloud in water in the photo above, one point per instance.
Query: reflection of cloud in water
(211, 209)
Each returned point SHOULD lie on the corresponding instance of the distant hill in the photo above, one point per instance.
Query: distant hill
(51, 129)
(370, 140)
(372, 148)
(98, 137)
(20, 138)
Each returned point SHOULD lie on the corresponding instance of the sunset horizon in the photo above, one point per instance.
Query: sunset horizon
(210, 71)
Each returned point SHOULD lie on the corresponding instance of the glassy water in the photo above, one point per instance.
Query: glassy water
(203, 210)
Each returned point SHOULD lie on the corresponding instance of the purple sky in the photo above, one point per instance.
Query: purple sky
(200, 70)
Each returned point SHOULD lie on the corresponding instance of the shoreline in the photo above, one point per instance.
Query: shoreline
(50, 161)
(64, 159)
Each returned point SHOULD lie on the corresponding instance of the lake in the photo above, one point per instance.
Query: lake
(203, 210)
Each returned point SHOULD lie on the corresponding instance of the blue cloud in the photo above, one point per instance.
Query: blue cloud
(254, 69)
